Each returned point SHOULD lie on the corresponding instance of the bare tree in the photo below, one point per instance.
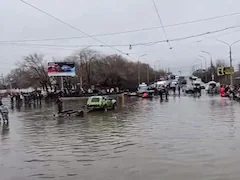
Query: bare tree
(220, 63)
(84, 59)
(93, 67)
(35, 65)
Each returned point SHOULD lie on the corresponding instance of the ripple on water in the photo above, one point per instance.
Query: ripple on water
(184, 138)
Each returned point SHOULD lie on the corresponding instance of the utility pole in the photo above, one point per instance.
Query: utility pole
(200, 63)
(155, 75)
(230, 57)
(147, 74)
(2, 80)
(200, 72)
(139, 73)
(205, 67)
(10, 81)
(81, 74)
(157, 71)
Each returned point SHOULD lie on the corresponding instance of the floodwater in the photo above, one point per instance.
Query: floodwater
(185, 138)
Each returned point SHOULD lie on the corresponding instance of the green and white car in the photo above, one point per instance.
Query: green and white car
(101, 103)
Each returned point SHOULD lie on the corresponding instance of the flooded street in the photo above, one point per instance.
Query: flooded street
(184, 139)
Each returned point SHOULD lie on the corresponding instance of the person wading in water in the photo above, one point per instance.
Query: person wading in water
(60, 105)
(179, 89)
(161, 90)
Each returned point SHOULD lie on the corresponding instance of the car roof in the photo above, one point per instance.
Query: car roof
(96, 97)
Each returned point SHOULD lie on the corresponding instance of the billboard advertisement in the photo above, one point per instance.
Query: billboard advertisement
(61, 69)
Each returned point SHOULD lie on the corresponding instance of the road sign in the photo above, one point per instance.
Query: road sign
(221, 71)
(228, 70)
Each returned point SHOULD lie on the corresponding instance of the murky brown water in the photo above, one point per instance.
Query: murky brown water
(183, 139)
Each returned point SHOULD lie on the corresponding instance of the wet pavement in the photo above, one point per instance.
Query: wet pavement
(185, 138)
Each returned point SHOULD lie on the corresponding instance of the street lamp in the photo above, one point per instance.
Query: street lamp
(205, 66)
(211, 62)
(205, 61)
(195, 66)
(230, 56)
(200, 62)
(155, 69)
(139, 79)
(208, 54)
(10, 82)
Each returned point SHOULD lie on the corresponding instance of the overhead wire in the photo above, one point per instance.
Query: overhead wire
(151, 43)
(160, 20)
(69, 25)
(214, 37)
(124, 32)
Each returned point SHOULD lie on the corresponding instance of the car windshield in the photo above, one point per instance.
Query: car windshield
(95, 99)
(143, 88)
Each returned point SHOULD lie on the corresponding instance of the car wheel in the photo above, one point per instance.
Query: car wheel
(105, 108)
(114, 106)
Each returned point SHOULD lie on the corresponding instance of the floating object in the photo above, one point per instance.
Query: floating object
(148, 94)
(68, 113)
(145, 95)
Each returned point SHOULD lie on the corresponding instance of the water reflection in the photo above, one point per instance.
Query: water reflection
(4, 130)
(184, 138)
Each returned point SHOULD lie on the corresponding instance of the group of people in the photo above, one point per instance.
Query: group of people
(230, 91)
(84, 91)
(164, 90)
(26, 98)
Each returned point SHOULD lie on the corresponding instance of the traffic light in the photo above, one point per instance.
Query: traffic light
(220, 71)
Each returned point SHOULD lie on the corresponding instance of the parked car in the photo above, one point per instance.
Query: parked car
(188, 89)
(142, 88)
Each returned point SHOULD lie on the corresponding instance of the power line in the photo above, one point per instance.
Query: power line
(125, 32)
(187, 37)
(160, 20)
(214, 37)
(151, 43)
(45, 47)
(69, 25)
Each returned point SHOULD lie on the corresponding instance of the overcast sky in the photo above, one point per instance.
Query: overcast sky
(18, 21)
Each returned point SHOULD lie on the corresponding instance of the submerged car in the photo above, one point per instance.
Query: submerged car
(101, 103)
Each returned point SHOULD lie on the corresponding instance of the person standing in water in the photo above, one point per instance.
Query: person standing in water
(160, 92)
(179, 89)
(223, 91)
(60, 105)
(4, 112)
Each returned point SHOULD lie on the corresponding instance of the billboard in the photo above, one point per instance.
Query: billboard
(61, 69)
